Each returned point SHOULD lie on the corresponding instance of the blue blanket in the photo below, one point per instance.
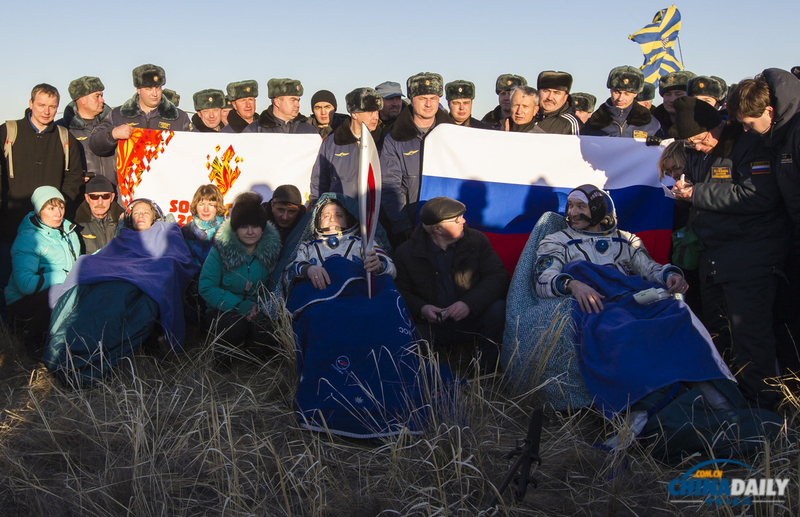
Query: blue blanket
(359, 374)
(157, 261)
(629, 350)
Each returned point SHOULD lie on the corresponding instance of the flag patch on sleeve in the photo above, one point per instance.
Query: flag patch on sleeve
(760, 168)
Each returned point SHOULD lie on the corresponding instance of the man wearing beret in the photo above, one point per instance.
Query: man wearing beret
(336, 168)
(323, 113)
(285, 209)
(460, 95)
(98, 215)
(620, 115)
(738, 215)
(242, 96)
(147, 109)
(646, 96)
(283, 116)
(208, 104)
(583, 105)
(555, 111)
(708, 89)
(503, 86)
(82, 117)
(401, 156)
(670, 86)
(454, 283)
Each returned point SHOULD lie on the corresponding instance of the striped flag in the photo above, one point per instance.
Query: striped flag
(658, 44)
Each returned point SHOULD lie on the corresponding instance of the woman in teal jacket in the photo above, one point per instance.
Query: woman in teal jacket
(245, 252)
(45, 249)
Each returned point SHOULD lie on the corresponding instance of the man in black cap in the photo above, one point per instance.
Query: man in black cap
(147, 109)
(401, 157)
(670, 86)
(555, 111)
(620, 116)
(283, 116)
(503, 86)
(460, 95)
(738, 215)
(98, 215)
(242, 96)
(646, 96)
(208, 105)
(454, 283)
(285, 209)
(583, 105)
(336, 168)
(708, 89)
(324, 117)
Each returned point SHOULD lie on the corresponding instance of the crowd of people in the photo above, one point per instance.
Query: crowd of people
(735, 159)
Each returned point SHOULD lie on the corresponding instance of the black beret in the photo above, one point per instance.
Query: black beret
(425, 83)
(363, 100)
(674, 81)
(324, 96)
(242, 89)
(505, 82)
(172, 96)
(439, 209)
(648, 92)
(99, 184)
(583, 101)
(208, 99)
(459, 90)
(708, 86)
(552, 80)
(625, 79)
(283, 87)
(287, 194)
(149, 76)
(693, 116)
(83, 86)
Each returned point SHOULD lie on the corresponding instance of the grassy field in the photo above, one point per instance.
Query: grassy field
(178, 438)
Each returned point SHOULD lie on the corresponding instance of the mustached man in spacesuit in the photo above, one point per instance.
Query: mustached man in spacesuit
(592, 235)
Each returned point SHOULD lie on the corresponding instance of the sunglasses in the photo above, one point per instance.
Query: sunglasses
(95, 197)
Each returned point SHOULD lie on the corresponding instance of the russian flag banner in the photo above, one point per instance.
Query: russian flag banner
(508, 180)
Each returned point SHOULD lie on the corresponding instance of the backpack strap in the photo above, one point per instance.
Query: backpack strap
(11, 135)
(63, 133)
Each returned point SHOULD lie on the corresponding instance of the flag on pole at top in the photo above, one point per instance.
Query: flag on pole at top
(658, 44)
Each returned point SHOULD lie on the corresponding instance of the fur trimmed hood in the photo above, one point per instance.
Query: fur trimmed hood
(404, 128)
(267, 118)
(639, 116)
(73, 121)
(166, 110)
(233, 254)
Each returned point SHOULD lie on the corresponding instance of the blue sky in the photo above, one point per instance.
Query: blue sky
(204, 44)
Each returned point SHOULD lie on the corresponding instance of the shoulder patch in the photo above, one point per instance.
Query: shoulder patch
(720, 173)
(409, 153)
(543, 263)
(341, 154)
(639, 134)
(760, 168)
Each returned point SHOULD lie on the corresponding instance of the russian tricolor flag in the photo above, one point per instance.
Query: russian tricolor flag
(508, 180)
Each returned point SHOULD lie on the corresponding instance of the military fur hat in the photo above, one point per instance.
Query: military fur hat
(83, 86)
(363, 100)
(439, 209)
(149, 76)
(693, 116)
(625, 79)
(674, 81)
(208, 99)
(172, 96)
(708, 86)
(281, 87)
(505, 82)
(552, 80)
(459, 90)
(242, 90)
(648, 92)
(583, 101)
(425, 83)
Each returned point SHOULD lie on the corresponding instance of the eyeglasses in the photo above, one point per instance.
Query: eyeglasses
(95, 197)
(692, 144)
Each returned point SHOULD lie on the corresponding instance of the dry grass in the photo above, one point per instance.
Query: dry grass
(176, 437)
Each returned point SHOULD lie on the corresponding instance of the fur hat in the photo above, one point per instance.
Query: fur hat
(459, 90)
(281, 87)
(99, 184)
(242, 90)
(389, 90)
(693, 116)
(648, 92)
(674, 81)
(708, 86)
(324, 96)
(172, 96)
(83, 86)
(287, 194)
(625, 79)
(505, 82)
(583, 101)
(552, 80)
(425, 83)
(44, 194)
(439, 209)
(362, 100)
(208, 99)
(247, 209)
(149, 76)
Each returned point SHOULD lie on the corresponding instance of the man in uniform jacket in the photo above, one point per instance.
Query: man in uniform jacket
(555, 109)
(738, 215)
(98, 215)
(620, 115)
(671, 87)
(503, 86)
(460, 95)
(208, 105)
(147, 109)
(242, 96)
(283, 116)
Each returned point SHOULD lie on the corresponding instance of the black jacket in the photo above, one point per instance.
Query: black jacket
(198, 126)
(82, 130)
(560, 122)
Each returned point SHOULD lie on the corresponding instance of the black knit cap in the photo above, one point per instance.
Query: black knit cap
(324, 96)
(439, 209)
(247, 210)
(693, 116)
(99, 184)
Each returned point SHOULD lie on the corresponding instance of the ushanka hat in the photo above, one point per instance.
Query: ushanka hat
(552, 80)
(208, 99)
(363, 100)
(242, 90)
(707, 86)
(505, 82)
(247, 210)
(674, 81)
(693, 116)
(459, 90)
(648, 92)
(625, 79)
(282, 87)
(83, 86)
(425, 83)
(172, 96)
(583, 101)
(149, 76)
(439, 209)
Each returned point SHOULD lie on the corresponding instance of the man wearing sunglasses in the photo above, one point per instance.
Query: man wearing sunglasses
(98, 215)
